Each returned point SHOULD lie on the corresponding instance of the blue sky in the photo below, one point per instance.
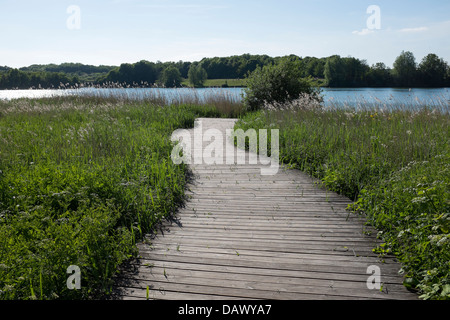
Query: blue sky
(112, 32)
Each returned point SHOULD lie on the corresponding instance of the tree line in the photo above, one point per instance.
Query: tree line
(432, 71)
(333, 71)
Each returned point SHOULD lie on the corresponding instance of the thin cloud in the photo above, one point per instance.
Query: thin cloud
(185, 6)
(364, 32)
(413, 30)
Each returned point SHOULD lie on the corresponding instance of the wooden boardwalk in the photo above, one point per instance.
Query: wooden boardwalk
(247, 236)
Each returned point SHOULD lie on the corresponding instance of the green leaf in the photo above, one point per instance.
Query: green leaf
(446, 291)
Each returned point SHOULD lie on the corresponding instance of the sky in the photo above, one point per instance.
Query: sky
(111, 32)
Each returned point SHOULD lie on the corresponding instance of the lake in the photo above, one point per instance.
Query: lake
(383, 97)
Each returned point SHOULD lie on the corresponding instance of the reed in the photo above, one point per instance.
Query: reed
(82, 179)
(393, 162)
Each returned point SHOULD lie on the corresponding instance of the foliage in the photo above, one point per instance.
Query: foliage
(81, 180)
(143, 72)
(405, 69)
(171, 77)
(412, 207)
(276, 84)
(394, 164)
(433, 71)
(335, 71)
(197, 75)
(234, 67)
(15, 78)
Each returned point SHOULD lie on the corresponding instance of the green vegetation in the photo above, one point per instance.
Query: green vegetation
(334, 71)
(220, 83)
(394, 164)
(81, 180)
(171, 77)
(277, 84)
(197, 75)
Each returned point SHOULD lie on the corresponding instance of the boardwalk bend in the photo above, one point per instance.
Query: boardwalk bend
(247, 236)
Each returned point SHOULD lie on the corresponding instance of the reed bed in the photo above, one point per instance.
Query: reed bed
(82, 179)
(393, 162)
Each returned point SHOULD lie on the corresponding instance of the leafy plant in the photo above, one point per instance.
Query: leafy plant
(276, 84)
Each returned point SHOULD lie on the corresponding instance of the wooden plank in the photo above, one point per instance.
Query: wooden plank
(290, 243)
(268, 224)
(255, 288)
(172, 274)
(273, 233)
(246, 236)
(335, 256)
(148, 265)
(341, 255)
(299, 265)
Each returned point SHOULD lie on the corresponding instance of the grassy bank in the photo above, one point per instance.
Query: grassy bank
(395, 165)
(218, 83)
(81, 180)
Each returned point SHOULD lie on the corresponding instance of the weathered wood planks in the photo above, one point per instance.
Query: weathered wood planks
(242, 235)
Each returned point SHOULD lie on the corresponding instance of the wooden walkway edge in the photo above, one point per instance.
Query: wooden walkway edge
(247, 236)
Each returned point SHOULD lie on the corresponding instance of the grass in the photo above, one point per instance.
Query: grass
(218, 83)
(394, 164)
(82, 179)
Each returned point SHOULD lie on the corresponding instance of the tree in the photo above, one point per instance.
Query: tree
(126, 71)
(276, 84)
(405, 69)
(355, 72)
(379, 76)
(15, 78)
(171, 77)
(197, 75)
(314, 67)
(447, 78)
(144, 72)
(334, 71)
(433, 71)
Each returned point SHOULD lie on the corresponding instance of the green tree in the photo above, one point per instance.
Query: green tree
(171, 77)
(197, 75)
(405, 69)
(433, 71)
(126, 71)
(334, 71)
(15, 78)
(379, 76)
(144, 72)
(276, 84)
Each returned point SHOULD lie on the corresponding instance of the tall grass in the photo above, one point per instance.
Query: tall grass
(228, 104)
(394, 163)
(81, 180)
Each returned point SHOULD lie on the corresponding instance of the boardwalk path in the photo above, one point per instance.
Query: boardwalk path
(247, 236)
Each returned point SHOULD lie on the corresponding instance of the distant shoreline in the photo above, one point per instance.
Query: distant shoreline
(211, 84)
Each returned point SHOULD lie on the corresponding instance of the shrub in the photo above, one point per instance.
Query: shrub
(171, 77)
(275, 85)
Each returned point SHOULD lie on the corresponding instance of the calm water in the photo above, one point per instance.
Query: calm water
(387, 97)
